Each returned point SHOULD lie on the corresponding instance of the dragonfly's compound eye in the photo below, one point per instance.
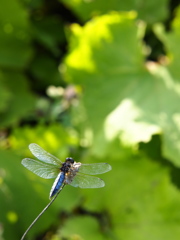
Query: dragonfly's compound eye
(69, 159)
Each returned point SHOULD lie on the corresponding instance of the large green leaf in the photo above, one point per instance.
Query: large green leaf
(122, 95)
(102, 64)
(139, 199)
(151, 11)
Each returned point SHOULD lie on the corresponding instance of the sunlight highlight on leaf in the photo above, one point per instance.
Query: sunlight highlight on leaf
(123, 122)
(12, 217)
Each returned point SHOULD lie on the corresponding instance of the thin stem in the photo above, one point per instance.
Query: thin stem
(41, 213)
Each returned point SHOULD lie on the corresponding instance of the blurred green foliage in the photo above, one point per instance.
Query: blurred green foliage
(97, 81)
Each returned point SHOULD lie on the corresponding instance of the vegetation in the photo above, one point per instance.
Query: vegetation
(98, 81)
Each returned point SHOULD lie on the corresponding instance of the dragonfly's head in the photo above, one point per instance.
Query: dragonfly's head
(69, 159)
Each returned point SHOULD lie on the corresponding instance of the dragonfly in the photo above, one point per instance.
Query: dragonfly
(69, 172)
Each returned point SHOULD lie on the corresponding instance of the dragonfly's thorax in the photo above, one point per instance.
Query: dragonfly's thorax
(71, 173)
(67, 165)
(65, 168)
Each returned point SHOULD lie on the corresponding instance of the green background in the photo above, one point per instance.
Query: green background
(98, 81)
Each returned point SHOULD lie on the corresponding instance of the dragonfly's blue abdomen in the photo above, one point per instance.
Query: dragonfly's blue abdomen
(57, 184)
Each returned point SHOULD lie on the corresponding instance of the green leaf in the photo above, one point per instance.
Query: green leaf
(21, 102)
(121, 97)
(5, 95)
(171, 43)
(108, 65)
(19, 190)
(82, 227)
(142, 202)
(45, 70)
(54, 139)
(50, 33)
(15, 49)
(17, 211)
(87, 9)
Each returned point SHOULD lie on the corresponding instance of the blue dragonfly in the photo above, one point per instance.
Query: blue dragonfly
(69, 172)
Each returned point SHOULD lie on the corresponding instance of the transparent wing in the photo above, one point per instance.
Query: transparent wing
(42, 155)
(95, 168)
(43, 170)
(85, 181)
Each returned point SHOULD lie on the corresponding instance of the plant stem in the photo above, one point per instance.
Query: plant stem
(41, 213)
